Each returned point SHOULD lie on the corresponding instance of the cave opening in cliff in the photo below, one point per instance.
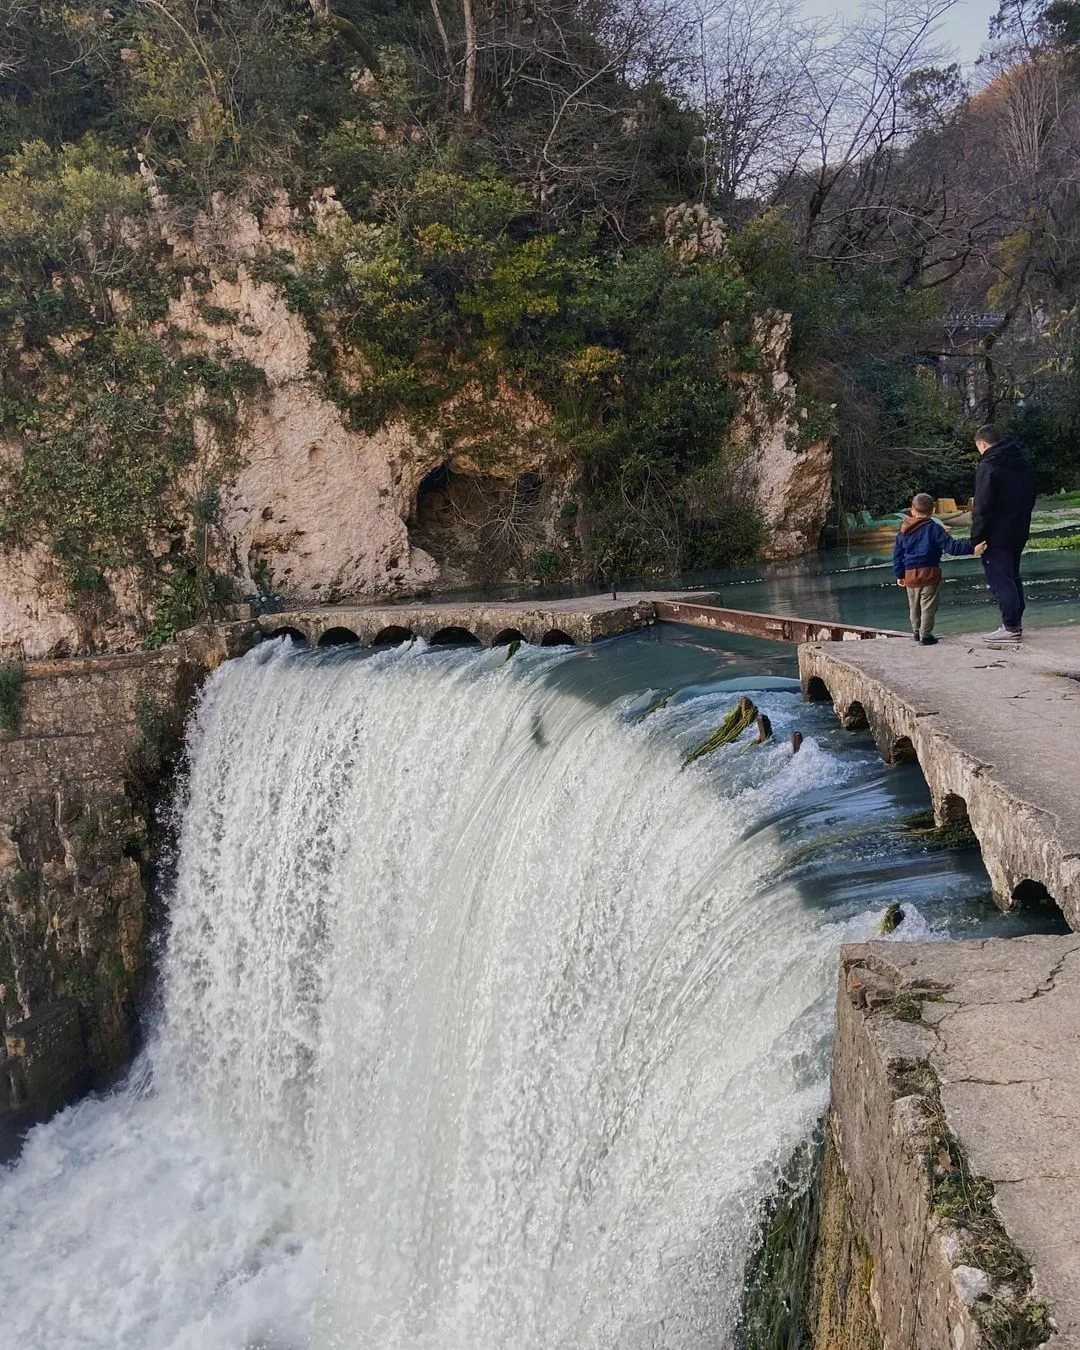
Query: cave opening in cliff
(485, 527)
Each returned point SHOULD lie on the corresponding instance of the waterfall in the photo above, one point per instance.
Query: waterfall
(485, 1025)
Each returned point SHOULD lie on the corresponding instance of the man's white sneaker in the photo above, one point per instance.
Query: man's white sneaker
(1004, 634)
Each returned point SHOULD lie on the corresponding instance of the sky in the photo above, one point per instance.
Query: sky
(963, 29)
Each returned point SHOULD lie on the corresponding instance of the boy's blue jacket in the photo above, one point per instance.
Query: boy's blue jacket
(919, 545)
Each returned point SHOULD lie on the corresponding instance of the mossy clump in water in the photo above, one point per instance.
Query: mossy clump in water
(891, 919)
(655, 706)
(953, 834)
(730, 729)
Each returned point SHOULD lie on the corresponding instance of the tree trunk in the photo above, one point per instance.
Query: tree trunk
(443, 38)
(470, 57)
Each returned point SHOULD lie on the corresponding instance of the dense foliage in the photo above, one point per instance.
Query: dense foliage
(501, 172)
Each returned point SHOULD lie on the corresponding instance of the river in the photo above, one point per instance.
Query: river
(481, 1023)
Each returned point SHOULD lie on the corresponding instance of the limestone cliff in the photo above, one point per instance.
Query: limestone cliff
(789, 468)
(316, 509)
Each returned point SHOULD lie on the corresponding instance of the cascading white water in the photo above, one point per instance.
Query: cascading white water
(485, 1027)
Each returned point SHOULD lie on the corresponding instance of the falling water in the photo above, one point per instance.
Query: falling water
(485, 1026)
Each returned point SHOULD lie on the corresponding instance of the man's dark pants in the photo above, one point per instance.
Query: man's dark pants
(1001, 563)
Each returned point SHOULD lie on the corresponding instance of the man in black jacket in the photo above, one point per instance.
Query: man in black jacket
(1001, 515)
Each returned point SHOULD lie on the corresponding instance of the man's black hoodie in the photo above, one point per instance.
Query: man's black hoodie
(1005, 493)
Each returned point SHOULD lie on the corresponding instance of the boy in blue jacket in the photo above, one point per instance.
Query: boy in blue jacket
(917, 563)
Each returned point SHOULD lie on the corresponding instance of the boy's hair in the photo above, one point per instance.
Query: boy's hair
(988, 434)
(923, 504)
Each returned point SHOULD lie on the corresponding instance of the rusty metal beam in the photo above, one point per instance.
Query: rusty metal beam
(774, 627)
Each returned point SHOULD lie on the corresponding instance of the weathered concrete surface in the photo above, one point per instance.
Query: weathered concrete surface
(78, 785)
(956, 1073)
(583, 619)
(995, 733)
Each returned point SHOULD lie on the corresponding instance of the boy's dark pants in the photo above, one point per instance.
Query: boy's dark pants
(1001, 563)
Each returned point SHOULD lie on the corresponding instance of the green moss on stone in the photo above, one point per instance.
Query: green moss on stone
(11, 697)
(776, 1297)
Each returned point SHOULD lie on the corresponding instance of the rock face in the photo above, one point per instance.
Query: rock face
(788, 475)
(317, 510)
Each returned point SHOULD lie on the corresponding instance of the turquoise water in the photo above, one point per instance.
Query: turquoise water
(861, 589)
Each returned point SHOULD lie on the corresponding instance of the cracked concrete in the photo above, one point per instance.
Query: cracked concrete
(995, 733)
(996, 1034)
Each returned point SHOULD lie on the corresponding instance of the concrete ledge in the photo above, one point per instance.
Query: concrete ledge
(955, 1092)
(995, 733)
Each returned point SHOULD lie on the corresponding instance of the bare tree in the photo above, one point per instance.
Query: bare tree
(752, 84)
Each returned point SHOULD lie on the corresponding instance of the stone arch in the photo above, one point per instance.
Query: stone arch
(338, 637)
(393, 635)
(507, 636)
(555, 637)
(854, 718)
(817, 691)
(952, 810)
(901, 751)
(454, 637)
(1031, 894)
(297, 635)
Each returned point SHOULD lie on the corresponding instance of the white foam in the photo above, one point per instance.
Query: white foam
(485, 1027)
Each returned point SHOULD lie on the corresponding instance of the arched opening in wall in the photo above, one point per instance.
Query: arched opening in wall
(854, 718)
(1034, 897)
(902, 751)
(507, 636)
(297, 636)
(555, 637)
(338, 637)
(953, 810)
(817, 690)
(455, 637)
(392, 636)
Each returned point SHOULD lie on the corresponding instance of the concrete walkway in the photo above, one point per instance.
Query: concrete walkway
(996, 731)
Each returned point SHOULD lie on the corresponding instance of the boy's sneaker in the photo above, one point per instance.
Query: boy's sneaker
(1004, 634)
(916, 637)
(929, 640)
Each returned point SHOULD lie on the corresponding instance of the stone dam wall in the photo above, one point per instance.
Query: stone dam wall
(80, 782)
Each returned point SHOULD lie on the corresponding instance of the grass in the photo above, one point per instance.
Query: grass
(1052, 541)
(1059, 499)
